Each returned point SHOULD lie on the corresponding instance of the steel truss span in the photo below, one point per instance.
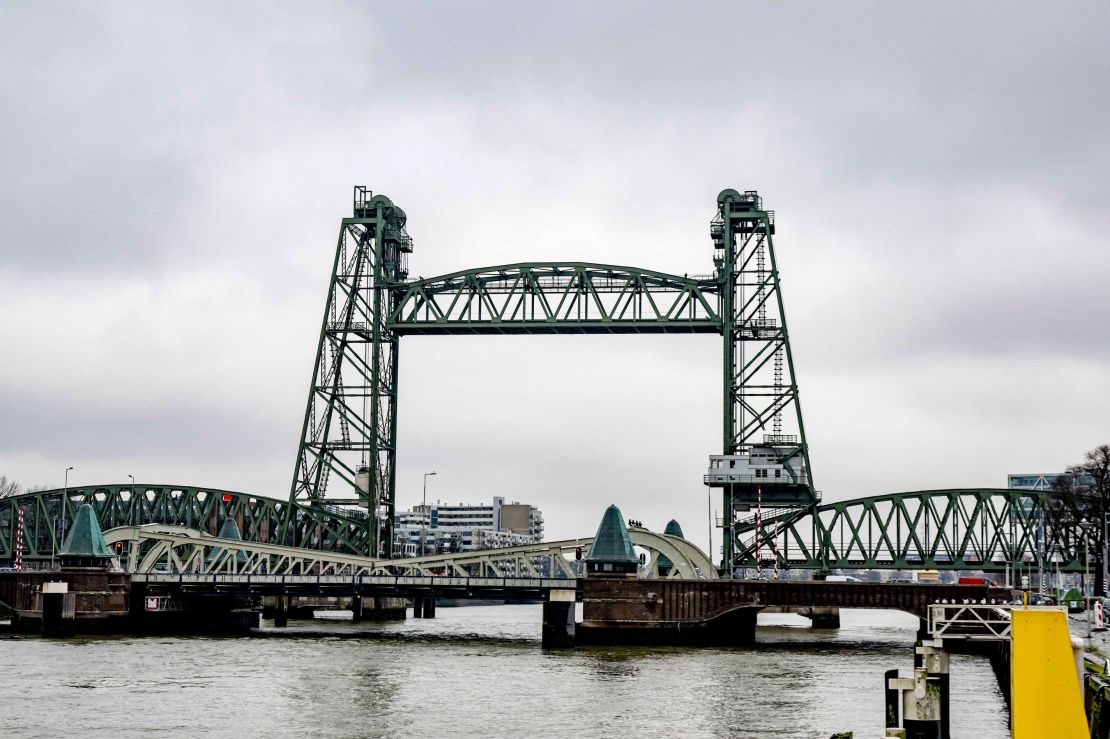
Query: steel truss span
(978, 529)
(173, 550)
(558, 297)
(48, 515)
(963, 529)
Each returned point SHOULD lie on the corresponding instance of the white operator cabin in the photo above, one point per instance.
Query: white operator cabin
(759, 465)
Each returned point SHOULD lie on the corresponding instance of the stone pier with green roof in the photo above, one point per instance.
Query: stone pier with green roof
(611, 554)
(85, 545)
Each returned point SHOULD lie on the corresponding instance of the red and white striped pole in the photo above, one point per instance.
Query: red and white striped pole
(759, 533)
(19, 540)
(775, 551)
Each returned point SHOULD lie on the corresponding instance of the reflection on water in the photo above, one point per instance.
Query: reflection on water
(474, 671)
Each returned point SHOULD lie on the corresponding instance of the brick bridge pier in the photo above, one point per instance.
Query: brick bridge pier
(722, 612)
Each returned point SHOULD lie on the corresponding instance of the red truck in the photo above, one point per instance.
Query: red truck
(976, 581)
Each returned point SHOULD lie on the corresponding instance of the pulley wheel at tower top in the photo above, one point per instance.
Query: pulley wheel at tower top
(728, 195)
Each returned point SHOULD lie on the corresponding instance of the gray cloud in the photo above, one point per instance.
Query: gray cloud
(173, 178)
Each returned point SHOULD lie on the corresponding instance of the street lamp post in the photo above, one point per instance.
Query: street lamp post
(1102, 565)
(424, 516)
(1086, 559)
(132, 499)
(54, 520)
(709, 516)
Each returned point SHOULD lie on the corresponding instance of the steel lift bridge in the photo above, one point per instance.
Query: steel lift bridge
(343, 493)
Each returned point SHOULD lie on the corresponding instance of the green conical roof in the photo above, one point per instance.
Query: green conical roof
(85, 538)
(230, 530)
(673, 529)
(611, 543)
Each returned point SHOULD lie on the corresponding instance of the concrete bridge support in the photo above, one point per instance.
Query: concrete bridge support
(281, 611)
(423, 606)
(820, 617)
(558, 619)
(823, 617)
(58, 609)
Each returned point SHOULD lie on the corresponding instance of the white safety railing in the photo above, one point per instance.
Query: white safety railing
(974, 622)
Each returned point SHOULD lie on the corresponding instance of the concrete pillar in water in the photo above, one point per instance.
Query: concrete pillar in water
(558, 619)
(136, 605)
(356, 607)
(746, 632)
(735, 628)
(891, 700)
(418, 606)
(430, 606)
(57, 609)
(281, 613)
(934, 659)
(920, 702)
(824, 617)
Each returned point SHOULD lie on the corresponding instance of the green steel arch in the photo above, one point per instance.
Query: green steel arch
(960, 529)
(49, 514)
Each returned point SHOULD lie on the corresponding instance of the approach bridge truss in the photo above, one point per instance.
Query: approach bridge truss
(964, 529)
(173, 551)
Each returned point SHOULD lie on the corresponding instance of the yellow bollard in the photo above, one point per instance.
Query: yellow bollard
(1046, 697)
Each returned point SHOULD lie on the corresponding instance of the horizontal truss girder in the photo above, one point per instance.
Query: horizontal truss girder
(557, 297)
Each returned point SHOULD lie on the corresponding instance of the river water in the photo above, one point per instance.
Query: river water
(473, 671)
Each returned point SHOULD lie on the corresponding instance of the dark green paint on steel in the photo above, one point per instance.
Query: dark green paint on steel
(351, 415)
(981, 528)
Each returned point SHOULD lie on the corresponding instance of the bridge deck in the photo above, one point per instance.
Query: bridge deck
(455, 587)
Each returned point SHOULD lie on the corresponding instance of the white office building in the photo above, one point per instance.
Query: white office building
(440, 528)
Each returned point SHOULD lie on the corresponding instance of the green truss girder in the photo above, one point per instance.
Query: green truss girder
(558, 297)
(48, 514)
(963, 529)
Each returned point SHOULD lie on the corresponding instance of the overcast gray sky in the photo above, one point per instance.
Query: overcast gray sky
(172, 178)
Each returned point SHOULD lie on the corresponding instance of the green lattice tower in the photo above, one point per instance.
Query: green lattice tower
(764, 435)
(348, 443)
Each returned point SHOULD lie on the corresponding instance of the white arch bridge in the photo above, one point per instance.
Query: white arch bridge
(157, 553)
